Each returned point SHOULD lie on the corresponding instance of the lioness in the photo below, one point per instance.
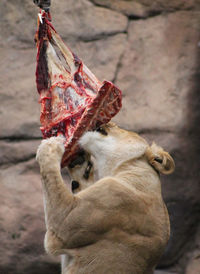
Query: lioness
(116, 225)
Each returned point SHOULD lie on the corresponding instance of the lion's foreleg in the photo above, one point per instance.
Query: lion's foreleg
(58, 200)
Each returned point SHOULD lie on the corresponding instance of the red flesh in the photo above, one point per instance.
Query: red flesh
(72, 99)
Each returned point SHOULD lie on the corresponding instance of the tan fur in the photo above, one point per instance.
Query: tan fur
(118, 224)
(167, 165)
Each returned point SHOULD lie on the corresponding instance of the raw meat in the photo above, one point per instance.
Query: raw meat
(72, 99)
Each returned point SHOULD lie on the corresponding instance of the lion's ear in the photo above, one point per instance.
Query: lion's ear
(160, 159)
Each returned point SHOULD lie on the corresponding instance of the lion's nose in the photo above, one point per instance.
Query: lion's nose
(75, 185)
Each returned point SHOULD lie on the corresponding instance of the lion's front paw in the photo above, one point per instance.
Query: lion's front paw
(51, 149)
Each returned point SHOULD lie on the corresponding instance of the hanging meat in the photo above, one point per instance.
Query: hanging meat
(72, 99)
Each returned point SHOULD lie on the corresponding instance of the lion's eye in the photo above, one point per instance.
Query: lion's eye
(102, 131)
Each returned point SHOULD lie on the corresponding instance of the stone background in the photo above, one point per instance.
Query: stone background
(151, 50)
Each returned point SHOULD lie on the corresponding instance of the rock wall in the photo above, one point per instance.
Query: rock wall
(150, 49)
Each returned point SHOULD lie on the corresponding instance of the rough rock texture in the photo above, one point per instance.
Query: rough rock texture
(146, 8)
(163, 272)
(150, 49)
